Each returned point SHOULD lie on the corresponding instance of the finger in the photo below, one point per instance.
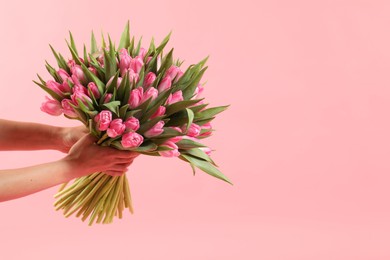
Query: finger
(118, 167)
(123, 154)
(122, 160)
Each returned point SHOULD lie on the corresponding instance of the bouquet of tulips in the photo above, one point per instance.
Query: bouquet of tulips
(130, 98)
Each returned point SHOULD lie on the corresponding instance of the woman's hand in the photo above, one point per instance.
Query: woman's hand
(86, 157)
(68, 136)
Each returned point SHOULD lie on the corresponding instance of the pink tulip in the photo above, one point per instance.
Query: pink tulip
(93, 70)
(68, 109)
(149, 79)
(118, 82)
(107, 97)
(208, 127)
(179, 75)
(170, 153)
(176, 138)
(71, 63)
(159, 112)
(63, 74)
(78, 74)
(149, 59)
(142, 53)
(136, 97)
(156, 130)
(103, 120)
(52, 107)
(193, 130)
(131, 140)
(133, 77)
(136, 64)
(124, 61)
(79, 88)
(55, 86)
(207, 150)
(172, 71)
(94, 89)
(198, 91)
(175, 97)
(81, 96)
(150, 93)
(116, 128)
(165, 84)
(132, 123)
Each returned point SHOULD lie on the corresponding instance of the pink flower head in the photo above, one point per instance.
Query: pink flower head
(207, 150)
(56, 87)
(173, 71)
(79, 88)
(136, 64)
(150, 93)
(193, 130)
(175, 97)
(103, 120)
(198, 91)
(179, 75)
(107, 97)
(124, 61)
(116, 128)
(170, 153)
(156, 130)
(68, 109)
(131, 140)
(149, 79)
(159, 112)
(136, 97)
(132, 123)
(149, 59)
(93, 70)
(208, 127)
(94, 89)
(71, 63)
(176, 138)
(165, 84)
(78, 74)
(63, 74)
(52, 107)
(80, 96)
(133, 77)
(142, 53)
(118, 82)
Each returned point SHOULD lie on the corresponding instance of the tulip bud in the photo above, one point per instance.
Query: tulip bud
(116, 128)
(165, 84)
(159, 112)
(52, 107)
(103, 120)
(149, 79)
(68, 109)
(156, 130)
(94, 89)
(150, 93)
(132, 123)
(131, 140)
(170, 153)
(136, 97)
(175, 97)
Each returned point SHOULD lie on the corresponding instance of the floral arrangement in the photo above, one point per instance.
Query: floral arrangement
(130, 98)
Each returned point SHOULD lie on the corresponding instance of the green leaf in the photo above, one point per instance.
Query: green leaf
(85, 56)
(123, 111)
(178, 119)
(190, 115)
(94, 47)
(60, 60)
(189, 144)
(163, 43)
(196, 152)
(206, 167)
(204, 121)
(109, 63)
(125, 38)
(136, 51)
(180, 105)
(210, 112)
(53, 73)
(168, 133)
(166, 62)
(149, 124)
(74, 54)
(92, 77)
(72, 43)
(131, 113)
(189, 90)
(198, 108)
(112, 106)
(104, 45)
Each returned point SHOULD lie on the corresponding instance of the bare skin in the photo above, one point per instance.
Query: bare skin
(84, 157)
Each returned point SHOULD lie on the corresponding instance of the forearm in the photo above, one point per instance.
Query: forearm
(17, 183)
(28, 136)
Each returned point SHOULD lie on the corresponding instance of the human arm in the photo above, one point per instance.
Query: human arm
(84, 158)
(33, 136)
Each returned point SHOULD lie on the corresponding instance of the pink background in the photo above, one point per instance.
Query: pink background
(306, 140)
